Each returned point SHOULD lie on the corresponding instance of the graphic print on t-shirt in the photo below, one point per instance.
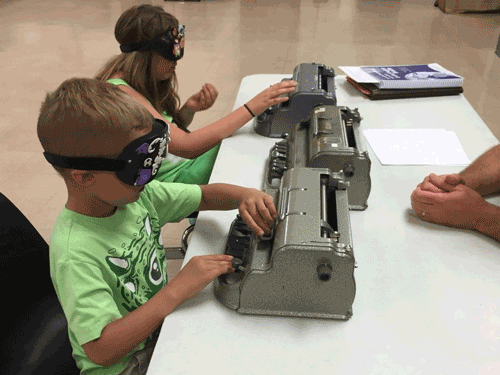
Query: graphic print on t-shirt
(139, 266)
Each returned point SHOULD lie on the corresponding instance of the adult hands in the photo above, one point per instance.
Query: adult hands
(447, 201)
(441, 183)
(271, 96)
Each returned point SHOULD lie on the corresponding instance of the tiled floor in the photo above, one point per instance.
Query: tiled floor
(43, 43)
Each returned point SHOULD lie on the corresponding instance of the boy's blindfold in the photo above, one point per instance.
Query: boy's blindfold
(138, 163)
(167, 44)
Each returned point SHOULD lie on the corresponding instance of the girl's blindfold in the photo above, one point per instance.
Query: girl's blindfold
(167, 44)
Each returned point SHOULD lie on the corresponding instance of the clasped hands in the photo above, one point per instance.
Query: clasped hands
(446, 200)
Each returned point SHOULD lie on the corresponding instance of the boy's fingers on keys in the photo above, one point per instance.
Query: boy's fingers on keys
(264, 213)
(261, 216)
(269, 202)
(223, 266)
(263, 224)
(251, 223)
(217, 268)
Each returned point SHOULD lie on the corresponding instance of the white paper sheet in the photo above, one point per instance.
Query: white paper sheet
(416, 147)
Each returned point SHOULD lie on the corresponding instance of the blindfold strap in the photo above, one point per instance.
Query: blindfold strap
(86, 164)
(136, 46)
(169, 46)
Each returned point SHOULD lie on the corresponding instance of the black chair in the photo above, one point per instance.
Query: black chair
(35, 335)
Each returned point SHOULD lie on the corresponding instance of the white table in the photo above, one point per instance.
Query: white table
(427, 299)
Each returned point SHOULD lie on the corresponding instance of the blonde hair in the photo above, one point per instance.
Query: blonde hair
(138, 24)
(88, 118)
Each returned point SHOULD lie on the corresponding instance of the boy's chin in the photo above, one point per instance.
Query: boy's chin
(128, 200)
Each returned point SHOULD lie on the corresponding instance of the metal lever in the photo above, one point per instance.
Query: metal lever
(237, 264)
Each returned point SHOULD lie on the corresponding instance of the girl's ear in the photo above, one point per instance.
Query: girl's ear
(82, 178)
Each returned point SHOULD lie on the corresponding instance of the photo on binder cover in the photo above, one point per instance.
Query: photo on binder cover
(404, 76)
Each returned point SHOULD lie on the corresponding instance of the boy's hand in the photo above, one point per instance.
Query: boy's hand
(203, 99)
(197, 273)
(258, 210)
(271, 96)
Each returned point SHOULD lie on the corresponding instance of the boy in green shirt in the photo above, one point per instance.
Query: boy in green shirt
(106, 256)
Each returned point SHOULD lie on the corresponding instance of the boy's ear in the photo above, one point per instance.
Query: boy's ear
(84, 178)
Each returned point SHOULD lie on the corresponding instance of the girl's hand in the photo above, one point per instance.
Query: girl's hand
(271, 96)
(203, 99)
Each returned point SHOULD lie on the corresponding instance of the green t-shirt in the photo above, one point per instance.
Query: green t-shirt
(104, 268)
(176, 169)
